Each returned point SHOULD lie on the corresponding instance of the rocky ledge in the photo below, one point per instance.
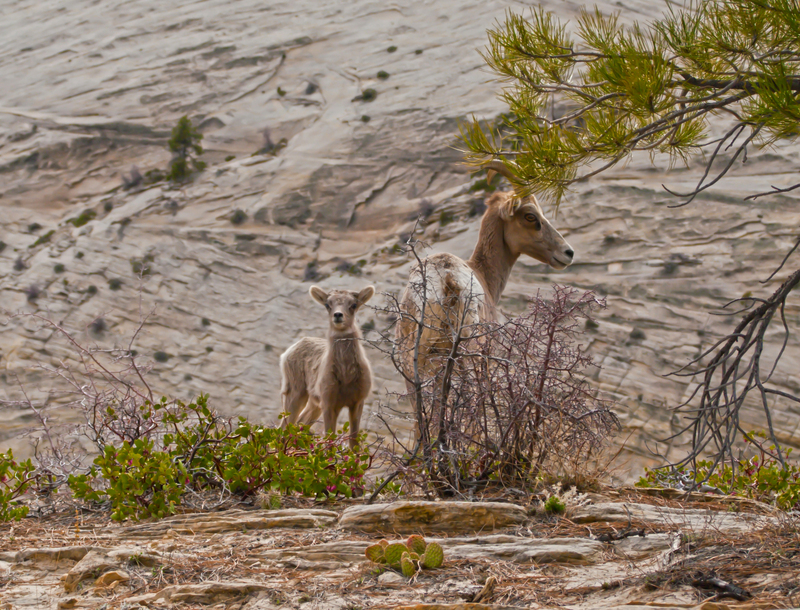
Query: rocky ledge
(608, 550)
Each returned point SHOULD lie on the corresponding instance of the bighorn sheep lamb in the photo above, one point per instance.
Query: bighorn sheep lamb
(459, 293)
(326, 375)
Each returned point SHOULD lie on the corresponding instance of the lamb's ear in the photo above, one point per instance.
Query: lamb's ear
(318, 294)
(365, 295)
(508, 206)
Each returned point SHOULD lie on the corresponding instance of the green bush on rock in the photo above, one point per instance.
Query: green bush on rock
(760, 477)
(143, 477)
(15, 478)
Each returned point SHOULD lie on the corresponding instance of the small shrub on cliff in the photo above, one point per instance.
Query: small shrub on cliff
(82, 218)
(185, 143)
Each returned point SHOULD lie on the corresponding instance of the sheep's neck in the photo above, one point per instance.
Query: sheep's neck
(492, 259)
(345, 355)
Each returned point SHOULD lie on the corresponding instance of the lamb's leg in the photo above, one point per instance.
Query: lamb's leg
(355, 423)
(311, 412)
(330, 414)
(293, 403)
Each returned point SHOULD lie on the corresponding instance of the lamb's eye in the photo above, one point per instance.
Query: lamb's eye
(328, 307)
(353, 307)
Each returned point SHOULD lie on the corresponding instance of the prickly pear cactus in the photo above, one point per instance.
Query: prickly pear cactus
(416, 544)
(407, 566)
(433, 556)
(394, 553)
(375, 552)
(408, 557)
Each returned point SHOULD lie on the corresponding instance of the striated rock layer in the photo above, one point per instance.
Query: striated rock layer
(329, 179)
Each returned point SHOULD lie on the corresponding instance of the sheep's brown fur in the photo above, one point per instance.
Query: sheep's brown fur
(322, 376)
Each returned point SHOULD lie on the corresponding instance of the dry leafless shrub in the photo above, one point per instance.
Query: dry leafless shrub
(108, 388)
(734, 368)
(496, 404)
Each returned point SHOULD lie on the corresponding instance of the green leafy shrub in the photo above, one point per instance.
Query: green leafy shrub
(383, 74)
(59, 268)
(115, 283)
(15, 479)
(141, 481)
(555, 506)
(251, 459)
(196, 449)
(760, 477)
(185, 143)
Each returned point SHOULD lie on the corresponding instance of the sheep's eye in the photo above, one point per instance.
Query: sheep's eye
(328, 307)
(353, 307)
(532, 218)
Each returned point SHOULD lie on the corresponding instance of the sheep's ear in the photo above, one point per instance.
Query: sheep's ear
(509, 207)
(505, 203)
(318, 294)
(365, 295)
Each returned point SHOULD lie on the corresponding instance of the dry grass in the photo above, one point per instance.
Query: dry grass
(764, 564)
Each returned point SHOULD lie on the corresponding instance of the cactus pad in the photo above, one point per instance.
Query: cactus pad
(407, 566)
(433, 557)
(394, 553)
(375, 553)
(384, 543)
(416, 544)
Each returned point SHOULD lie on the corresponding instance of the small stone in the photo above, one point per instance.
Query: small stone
(391, 577)
(112, 577)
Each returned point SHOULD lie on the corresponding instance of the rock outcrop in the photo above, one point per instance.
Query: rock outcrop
(606, 555)
(327, 180)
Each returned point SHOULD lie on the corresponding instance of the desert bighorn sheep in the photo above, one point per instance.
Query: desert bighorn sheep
(458, 293)
(326, 375)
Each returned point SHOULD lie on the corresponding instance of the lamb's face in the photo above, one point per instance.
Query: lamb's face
(342, 305)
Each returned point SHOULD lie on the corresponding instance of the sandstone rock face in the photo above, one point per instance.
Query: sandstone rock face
(697, 519)
(425, 517)
(54, 555)
(563, 550)
(111, 578)
(348, 181)
(237, 520)
(208, 593)
(92, 565)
